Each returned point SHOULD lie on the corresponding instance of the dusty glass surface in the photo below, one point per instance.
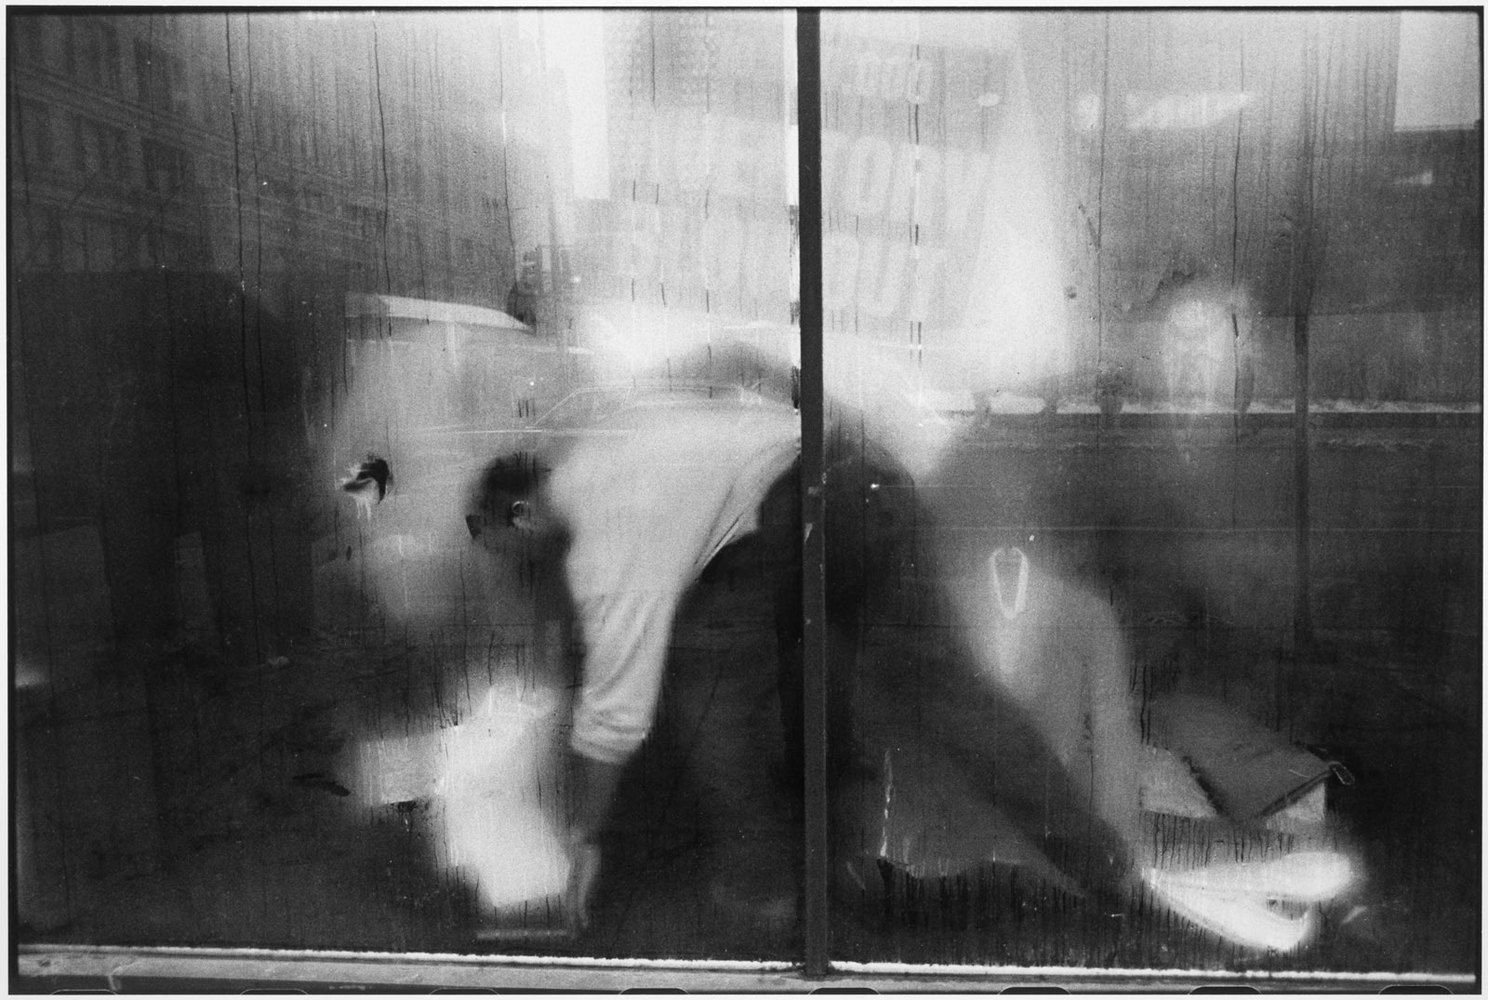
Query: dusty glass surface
(1170, 655)
(405, 525)
(285, 287)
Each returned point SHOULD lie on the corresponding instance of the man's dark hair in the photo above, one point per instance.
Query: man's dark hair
(506, 479)
(514, 475)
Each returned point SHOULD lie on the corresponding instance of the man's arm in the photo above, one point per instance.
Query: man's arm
(593, 795)
(595, 782)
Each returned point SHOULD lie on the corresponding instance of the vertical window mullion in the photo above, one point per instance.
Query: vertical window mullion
(813, 562)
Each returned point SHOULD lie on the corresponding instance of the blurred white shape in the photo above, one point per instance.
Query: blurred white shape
(1236, 900)
(574, 45)
(393, 769)
(1158, 112)
(424, 314)
(1014, 557)
(883, 385)
(493, 786)
(499, 786)
(897, 389)
(1243, 920)
(28, 673)
(1299, 877)
(1207, 342)
(1015, 288)
(1424, 179)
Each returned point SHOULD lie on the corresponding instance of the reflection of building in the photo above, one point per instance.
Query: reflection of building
(192, 197)
(275, 143)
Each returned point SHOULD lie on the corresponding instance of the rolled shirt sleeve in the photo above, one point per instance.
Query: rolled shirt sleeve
(647, 509)
(625, 637)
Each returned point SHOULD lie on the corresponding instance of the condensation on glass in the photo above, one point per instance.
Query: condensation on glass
(403, 438)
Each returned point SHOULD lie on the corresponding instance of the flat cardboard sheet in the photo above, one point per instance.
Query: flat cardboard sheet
(1249, 770)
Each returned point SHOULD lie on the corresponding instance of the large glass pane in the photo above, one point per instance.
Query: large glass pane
(405, 525)
(312, 316)
(1154, 370)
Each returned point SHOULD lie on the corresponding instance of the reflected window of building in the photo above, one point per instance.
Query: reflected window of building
(33, 134)
(168, 169)
(158, 78)
(91, 52)
(100, 151)
(39, 231)
(31, 33)
(390, 382)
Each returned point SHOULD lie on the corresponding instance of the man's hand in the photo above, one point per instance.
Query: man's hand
(593, 793)
(582, 874)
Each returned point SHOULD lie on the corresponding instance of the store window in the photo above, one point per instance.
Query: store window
(973, 496)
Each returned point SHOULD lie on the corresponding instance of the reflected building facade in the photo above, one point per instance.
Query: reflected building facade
(267, 143)
(193, 197)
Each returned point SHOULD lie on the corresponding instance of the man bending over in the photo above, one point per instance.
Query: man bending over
(639, 505)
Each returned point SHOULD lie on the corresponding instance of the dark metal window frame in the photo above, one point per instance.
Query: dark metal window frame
(813, 441)
(41, 968)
